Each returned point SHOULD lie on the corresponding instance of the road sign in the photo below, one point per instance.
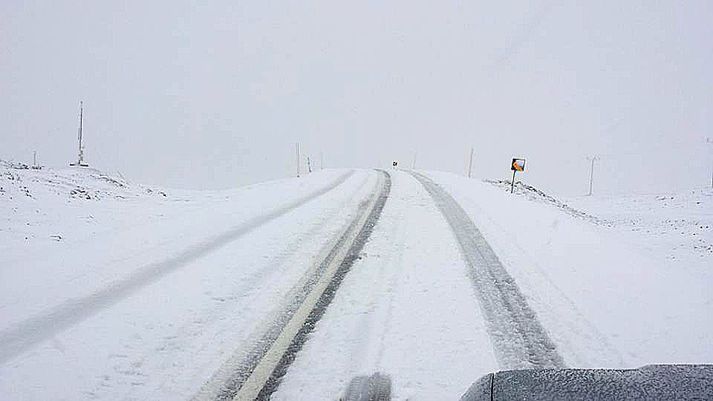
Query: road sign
(517, 165)
(395, 163)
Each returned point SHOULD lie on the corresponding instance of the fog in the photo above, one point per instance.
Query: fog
(216, 94)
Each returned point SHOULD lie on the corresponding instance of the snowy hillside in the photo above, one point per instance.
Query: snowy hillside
(676, 226)
(47, 204)
(679, 224)
(114, 290)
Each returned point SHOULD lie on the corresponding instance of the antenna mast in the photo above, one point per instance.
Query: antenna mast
(80, 156)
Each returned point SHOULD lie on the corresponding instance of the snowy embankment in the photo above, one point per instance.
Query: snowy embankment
(617, 281)
(111, 290)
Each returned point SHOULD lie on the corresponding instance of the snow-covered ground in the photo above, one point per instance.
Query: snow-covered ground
(676, 226)
(618, 281)
(72, 327)
(406, 309)
(607, 296)
(114, 290)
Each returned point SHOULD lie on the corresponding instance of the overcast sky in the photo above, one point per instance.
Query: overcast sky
(214, 94)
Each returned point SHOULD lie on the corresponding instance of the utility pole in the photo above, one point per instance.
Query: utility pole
(710, 142)
(81, 126)
(470, 162)
(309, 165)
(591, 173)
(35, 166)
(321, 160)
(297, 148)
(413, 165)
(80, 157)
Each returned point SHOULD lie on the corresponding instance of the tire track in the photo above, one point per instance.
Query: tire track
(519, 340)
(24, 335)
(255, 374)
(186, 334)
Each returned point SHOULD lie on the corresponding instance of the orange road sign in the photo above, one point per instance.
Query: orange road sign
(517, 165)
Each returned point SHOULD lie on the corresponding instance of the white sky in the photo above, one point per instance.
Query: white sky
(215, 94)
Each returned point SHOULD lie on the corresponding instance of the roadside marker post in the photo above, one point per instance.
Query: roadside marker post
(516, 165)
(591, 173)
(710, 142)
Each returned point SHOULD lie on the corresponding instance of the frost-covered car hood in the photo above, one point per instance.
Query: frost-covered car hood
(652, 382)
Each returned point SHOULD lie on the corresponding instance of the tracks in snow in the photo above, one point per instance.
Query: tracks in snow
(255, 374)
(17, 339)
(518, 338)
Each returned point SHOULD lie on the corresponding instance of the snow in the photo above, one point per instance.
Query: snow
(406, 309)
(120, 228)
(616, 284)
(677, 226)
(166, 339)
(140, 292)
(608, 297)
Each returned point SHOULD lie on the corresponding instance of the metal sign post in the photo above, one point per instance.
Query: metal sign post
(516, 165)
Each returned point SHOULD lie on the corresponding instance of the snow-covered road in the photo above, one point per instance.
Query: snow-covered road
(518, 337)
(297, 286)
(256, 374)
(47, 324)
(162, 337)
(407, 309)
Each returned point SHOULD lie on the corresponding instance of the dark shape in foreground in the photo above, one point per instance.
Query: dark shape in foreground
(376, 387)
(651, 382)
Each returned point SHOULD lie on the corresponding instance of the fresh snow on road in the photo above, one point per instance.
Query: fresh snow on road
(519, 340)
(166, 339)
(605, 299)
(406, 309)
(50, 225)
(117, 291)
